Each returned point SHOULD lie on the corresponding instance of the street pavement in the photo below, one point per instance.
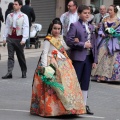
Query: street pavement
(15, 93)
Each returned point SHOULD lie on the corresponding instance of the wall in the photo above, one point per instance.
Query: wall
(79, 2)
(86, 2)
(60, 7)
(105, 2)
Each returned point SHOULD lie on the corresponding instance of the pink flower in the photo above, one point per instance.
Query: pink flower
(20, 16)
(17, 28)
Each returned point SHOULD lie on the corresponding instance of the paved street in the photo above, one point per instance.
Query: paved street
(15, 94)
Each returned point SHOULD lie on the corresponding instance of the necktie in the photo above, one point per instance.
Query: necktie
(101, 19)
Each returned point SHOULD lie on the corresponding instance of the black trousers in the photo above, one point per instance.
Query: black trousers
(83, 71)
(0, 26)
(13, 46)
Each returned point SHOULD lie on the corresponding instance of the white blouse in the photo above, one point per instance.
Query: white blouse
(47, 51)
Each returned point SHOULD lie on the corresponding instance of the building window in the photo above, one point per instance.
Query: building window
(116, 2)
(96, 3)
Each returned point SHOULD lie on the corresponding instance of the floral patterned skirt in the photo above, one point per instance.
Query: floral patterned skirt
(51, 101)
(108, 68)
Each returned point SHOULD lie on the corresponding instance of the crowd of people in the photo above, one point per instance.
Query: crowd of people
(78, 46)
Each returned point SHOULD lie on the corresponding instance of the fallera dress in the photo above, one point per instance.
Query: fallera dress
(108, 68)
(60, 95)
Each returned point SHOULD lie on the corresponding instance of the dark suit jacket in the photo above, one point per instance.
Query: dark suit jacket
(78, 52)
(29, 12)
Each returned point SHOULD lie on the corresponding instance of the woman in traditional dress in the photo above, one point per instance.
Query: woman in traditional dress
(108, 68)
(55, 89)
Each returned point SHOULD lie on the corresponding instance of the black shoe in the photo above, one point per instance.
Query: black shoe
(7, 76)
(88, 111)
(24, 75)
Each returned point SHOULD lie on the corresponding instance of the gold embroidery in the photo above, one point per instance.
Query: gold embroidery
(114, 25)
(57, 44)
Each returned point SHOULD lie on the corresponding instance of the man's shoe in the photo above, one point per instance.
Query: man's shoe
(7, 76)
(24, 75)
(88, 111)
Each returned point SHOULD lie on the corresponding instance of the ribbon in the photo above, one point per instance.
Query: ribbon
(112, 33)
(50, 82)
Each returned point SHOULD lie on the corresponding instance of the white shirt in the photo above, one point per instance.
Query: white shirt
(47, 51)
(73, 17)
(87, 30)
(25, 26)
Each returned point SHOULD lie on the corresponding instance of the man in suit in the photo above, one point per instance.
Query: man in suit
(99, 16)
(15, 34)
(29, 11)
(83, 53)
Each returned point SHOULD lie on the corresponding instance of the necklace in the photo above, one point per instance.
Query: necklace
(112, 19)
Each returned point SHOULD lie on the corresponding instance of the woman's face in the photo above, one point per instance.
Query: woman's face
(111, 11)
(84, 15)
(56, 29)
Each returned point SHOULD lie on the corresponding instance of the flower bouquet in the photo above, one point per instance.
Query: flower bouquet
(48, 74)
(111, 32)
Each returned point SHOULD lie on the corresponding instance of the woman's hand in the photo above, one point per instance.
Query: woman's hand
(102, 35)
(94, 65)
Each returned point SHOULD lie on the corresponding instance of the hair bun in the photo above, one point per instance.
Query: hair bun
(56, 19)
